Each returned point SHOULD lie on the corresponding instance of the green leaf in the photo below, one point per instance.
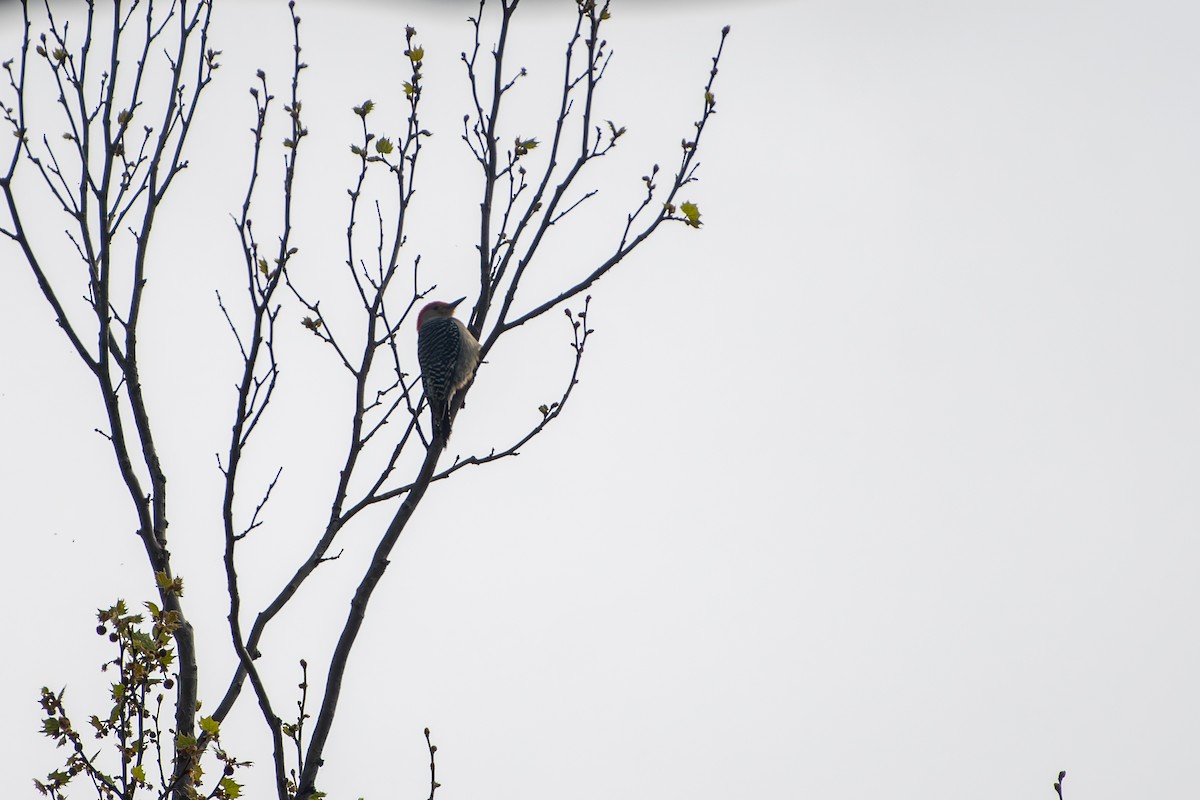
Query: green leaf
(383, 146)
(365, 108)
(59, 777)
(409, 89)
(210, 726)
(230, 788)
(415, 54)
(139, 774)
(691, 213)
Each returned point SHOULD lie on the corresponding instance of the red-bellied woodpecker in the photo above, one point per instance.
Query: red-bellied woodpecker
(448, 354)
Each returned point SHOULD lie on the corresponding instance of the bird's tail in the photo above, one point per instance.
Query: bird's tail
(441, 424)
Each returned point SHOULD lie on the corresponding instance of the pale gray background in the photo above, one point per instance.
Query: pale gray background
(882, 485)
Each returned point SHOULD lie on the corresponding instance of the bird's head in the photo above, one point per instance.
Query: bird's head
(437, 310)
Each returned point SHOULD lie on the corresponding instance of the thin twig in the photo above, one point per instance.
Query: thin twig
(433, 784)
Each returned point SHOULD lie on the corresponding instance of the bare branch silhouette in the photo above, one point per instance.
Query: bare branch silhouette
(128, 92)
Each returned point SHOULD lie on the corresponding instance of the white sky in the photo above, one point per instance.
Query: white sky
(882, 485)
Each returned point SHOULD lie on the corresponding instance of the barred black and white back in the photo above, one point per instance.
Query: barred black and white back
(448, 355)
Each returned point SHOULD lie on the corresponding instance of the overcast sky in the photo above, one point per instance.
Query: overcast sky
(883, 484)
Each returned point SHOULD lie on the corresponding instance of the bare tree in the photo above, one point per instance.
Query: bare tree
(108, 176)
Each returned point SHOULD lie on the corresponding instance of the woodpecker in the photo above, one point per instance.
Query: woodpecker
(448, 354)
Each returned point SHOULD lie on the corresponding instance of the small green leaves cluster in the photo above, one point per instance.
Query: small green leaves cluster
(58, 55)
(590, 7)
(129, 736)
(689, 211)
(523, 146)
(168, 585)
(384, 146)
(362, 111)
(295, 732)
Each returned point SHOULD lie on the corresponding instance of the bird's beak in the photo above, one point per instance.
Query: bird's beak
(456, 302)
